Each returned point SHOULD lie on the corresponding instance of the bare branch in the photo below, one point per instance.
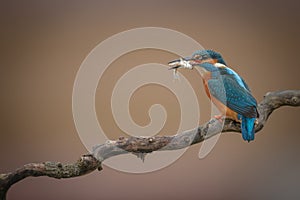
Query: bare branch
(142, 145)
(271, 101)
(85, 165)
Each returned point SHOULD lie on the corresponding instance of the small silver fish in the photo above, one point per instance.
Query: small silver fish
(175, 64)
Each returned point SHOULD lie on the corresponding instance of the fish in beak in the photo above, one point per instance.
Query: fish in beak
(179, 63)
(174, 64)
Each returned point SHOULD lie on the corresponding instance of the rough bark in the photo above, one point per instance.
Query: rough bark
(140, 146)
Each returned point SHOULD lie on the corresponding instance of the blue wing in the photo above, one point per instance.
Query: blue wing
(239, 79)
(227, 90)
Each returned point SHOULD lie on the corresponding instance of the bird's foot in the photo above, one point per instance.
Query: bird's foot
(220, 118)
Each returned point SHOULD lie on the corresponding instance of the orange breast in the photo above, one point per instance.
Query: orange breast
(221, 107)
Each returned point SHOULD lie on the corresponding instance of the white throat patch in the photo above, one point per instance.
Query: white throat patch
(220, 65)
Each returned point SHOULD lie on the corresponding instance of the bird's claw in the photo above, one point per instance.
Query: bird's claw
(220, 118)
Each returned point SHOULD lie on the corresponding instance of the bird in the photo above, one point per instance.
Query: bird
(226, 89)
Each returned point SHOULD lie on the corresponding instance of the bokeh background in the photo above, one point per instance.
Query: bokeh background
(43, 44)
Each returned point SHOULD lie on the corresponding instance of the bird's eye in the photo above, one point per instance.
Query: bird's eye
(198, 57)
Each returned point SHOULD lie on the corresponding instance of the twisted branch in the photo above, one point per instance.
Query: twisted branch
(141, 145)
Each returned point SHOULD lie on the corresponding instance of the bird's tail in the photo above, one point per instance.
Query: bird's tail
(248, 128)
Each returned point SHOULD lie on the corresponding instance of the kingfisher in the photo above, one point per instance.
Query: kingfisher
(226, 89)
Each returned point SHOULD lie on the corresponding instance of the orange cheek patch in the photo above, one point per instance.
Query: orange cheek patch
(209, 60)
(215, 61)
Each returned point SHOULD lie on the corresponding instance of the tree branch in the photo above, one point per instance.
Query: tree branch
(141, 145)
(85, 165)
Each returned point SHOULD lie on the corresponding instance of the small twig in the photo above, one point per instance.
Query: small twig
(141, 145)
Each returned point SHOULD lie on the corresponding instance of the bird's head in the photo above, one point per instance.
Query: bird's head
(198, 57)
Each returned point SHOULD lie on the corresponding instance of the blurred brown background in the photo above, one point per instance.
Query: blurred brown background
(43, 44)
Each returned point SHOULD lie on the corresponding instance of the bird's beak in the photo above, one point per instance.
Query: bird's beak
(180, 63)
(174, 64)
